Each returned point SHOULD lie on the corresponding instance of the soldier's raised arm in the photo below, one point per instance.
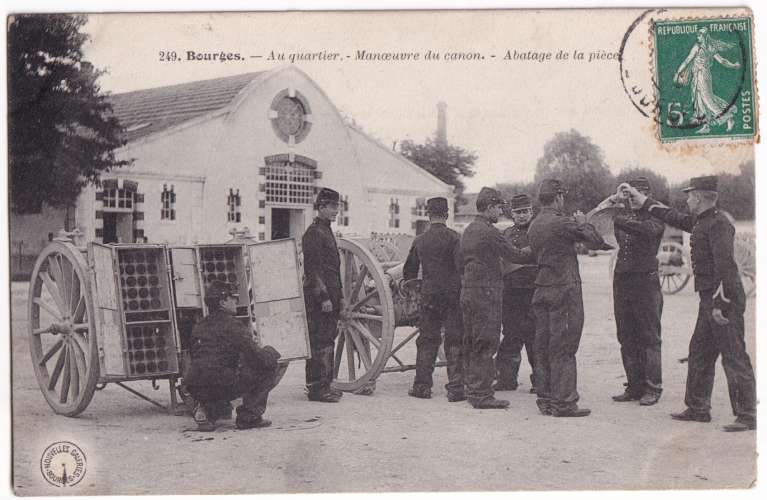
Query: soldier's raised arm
(579, 230)
(670, 216)
(511, 253)
(648, 227)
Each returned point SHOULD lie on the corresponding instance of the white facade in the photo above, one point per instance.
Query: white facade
(203, 158)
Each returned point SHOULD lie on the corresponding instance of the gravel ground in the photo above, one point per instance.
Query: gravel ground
(391, 442)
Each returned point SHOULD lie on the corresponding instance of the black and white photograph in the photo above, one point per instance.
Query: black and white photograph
(382, 251)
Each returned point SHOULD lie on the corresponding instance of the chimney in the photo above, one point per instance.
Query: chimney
(441, 123)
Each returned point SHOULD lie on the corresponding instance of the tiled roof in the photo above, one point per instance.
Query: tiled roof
(145, 112)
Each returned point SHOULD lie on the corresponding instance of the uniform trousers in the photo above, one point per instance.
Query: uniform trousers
(481, 308)
(638, 305)
(708, 341)
(440, 310)
(558, 327)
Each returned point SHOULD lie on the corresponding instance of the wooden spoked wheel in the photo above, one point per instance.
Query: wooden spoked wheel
(366, 326)
(674, 267)
(62, 336)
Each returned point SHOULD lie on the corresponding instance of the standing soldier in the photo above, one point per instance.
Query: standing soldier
(323, 298)
(558, 300)
(482, 248)
(719, 328)
(637, 297)
(436, 251)
(518, 289)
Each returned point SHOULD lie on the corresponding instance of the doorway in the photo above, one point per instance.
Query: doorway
(118, 227)
(286, 223)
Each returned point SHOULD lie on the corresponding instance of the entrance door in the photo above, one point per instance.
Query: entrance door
(280, 223)
(118, 227)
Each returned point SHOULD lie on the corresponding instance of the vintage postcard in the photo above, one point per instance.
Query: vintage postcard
(382, 251)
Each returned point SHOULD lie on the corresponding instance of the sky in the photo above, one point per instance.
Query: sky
(503, 110)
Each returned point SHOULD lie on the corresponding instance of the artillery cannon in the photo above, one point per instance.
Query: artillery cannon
(378, 302)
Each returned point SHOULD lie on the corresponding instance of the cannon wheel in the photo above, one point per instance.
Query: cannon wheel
(674, 278)
(366, 327)
(62, 336)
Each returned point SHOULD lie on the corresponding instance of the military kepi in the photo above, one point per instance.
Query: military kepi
(551, 186)
(705, 183)
(327, 195)
(489, 196)
(640, 183)
(520, 201)
(436, 206)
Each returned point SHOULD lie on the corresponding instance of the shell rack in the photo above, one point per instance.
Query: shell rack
(150, 343)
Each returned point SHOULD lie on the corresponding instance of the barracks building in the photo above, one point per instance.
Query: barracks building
(242, 151)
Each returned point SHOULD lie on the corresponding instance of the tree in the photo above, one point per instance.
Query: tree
(579, 163)
(446, 162)
(62, 133)
(658, 182)
(736, 193)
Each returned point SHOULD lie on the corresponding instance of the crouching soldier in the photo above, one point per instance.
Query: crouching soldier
(227, 363)
(436, 252)
(518, 317)
(323, 297)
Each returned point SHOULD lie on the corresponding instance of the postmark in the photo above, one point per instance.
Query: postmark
(63, 464)
(704, 79)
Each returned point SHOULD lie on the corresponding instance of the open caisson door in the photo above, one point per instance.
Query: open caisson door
(107, 311)
(277, 298)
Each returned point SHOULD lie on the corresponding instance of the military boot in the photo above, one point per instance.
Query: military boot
(490, 403)
(204, 424)
(506, 375)
(246, 419)
(420, 391)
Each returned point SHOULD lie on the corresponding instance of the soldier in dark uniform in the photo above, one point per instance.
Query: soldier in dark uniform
(436, 252)
(228, 363)
(637, 297)
(482, 248)
(518, 289)
(558, 300)
(719, 328)
(323, 297)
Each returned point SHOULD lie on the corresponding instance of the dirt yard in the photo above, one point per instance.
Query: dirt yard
(391, 442)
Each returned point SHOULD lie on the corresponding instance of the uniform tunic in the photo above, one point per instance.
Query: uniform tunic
(558, 306)
(322, 281)
(637, 299)
(717, 281)
(518, 318)
(436, 251)
(482, 248)
(227, 363)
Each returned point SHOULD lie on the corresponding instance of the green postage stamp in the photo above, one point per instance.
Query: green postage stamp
(704, 72)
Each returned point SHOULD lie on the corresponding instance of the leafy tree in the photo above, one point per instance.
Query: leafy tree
(446, 162)
(579, 164)
(658, 182)
(62, 134)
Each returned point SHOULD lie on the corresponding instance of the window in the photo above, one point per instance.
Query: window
(289, 182)
(343, 211)
(168, 200)
(393, 212)
(419, 210)
(118, 199)
(233, 205)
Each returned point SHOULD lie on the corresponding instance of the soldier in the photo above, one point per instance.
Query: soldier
(558, 300)
(637, 297)
(719, 327)
(323, 298)
(228, 363)
(518, 289)
(436, 251)
(482, 248)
